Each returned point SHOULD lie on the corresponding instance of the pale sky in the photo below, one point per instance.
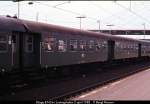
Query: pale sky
(121, 14)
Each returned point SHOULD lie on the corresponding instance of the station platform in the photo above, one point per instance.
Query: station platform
(134, 87)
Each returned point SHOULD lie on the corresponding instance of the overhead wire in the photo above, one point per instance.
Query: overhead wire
(93, 18)
(75, 13)
(58, 8)
(125, 23)
(2, 9)
(69, 11)
(62, 3)
(112, 15)
(53, 20)
(131, 11)
(72, 12)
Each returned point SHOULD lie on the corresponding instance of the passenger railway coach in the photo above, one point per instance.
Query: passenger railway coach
(26, 44)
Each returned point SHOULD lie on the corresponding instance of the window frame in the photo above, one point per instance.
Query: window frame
(91, 45)
(70, 43)
(98, 45)
(64, 45)
(84, 44)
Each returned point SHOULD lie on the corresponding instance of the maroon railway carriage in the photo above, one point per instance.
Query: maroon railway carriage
(27, 44)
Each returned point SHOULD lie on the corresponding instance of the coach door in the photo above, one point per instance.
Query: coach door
(25, 50)
(31, 53)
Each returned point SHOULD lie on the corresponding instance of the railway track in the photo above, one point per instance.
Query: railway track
(70, 95)
(12, 83)
(60, 88)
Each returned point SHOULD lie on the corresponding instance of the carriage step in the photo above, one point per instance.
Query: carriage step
(19, 85)
(13, 82)
(37, 78)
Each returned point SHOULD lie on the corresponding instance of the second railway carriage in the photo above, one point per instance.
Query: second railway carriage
(26, 44)
(145, 48)
(125, 48)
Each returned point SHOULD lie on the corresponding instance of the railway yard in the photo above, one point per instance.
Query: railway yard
(50, 59)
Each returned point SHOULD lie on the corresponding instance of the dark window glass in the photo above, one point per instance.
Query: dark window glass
(91, 44)
(14, 39)
(82, 45)
(3, 46)
(98, 45)
(29, 46)
(73, 45)
(29, 43)
(30, 39)
(3, 43)
(3, 38)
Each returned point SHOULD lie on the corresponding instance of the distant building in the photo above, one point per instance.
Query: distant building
(124, 32)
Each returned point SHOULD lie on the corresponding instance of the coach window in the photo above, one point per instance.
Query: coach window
(3, 43)
(73, 45)
(14, 42)
(104, 44)
(62, 45)
(142, 46)
(98, 45)
(49, 44)
(132, 46)
(29, 43)
(82, 45)
(91, 44)
(125, 46)
(128, 46)
(149, 47)
(136, 47)
(121, 45)
(117, 45)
